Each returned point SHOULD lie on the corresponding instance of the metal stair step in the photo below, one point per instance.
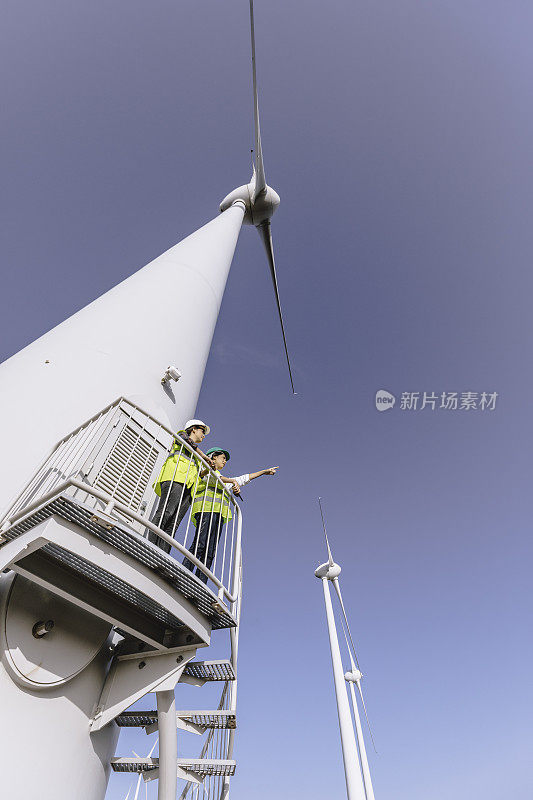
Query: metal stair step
(210, 719)
(207, 719)
(202, 766)
(136, 719)
(210, 670)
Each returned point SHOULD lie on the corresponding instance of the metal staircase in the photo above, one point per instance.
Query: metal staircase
(209, 773)
(78, 531)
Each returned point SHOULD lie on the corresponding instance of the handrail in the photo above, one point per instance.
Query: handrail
(89, 447)
(54, 447)
(85, 487)
(183, 443)
(228, 700)
(95, 417)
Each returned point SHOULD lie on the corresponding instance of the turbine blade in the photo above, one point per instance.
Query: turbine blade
(260, 181)
(139, 779)
(330, 557)
(266, 235)
(337, 586)
(366, 715)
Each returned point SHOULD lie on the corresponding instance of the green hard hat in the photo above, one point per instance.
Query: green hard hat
(218, 450)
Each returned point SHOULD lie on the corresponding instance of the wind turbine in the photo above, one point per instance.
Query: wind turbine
(103, 352)
(261, 200)
(109, 344)
(140, 776)
(356, 768)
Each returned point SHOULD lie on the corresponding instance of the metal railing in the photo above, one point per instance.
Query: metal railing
(219, 742)
(111, 464)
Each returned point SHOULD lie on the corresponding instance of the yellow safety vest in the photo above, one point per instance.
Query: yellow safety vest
(181, 466)
(210, 498)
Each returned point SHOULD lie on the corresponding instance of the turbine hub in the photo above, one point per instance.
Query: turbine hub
(257, 211)
(327, 570)
(354, 676)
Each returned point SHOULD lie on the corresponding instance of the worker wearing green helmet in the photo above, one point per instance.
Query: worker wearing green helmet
(211, 507)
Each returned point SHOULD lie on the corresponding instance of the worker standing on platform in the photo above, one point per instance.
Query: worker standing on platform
(177, 479)
(211, 508)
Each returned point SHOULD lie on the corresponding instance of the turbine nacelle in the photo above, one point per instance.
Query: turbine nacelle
(258, 210)
(354, 676)
(328, 570)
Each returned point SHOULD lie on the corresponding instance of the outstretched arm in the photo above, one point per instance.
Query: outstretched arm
(242, 480)
(268, 471)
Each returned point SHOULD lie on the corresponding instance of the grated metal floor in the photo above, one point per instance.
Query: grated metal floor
(203, 766)
(211, 670)
(208, 719)
(136, 546)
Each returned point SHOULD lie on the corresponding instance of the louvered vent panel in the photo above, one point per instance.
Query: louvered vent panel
(127, 485)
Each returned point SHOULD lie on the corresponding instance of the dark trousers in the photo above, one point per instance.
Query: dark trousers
(169, 519)
(208, 528)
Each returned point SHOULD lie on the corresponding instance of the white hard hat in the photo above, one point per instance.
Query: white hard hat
(191, 423)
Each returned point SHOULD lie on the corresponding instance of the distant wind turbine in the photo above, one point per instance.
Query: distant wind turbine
(356, 769)
(140, 776)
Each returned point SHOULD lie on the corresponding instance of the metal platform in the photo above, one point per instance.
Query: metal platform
(204, 719)
(127, 541)
(201, 766)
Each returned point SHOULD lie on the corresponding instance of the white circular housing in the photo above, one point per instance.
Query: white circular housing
(327, 570)
(256, 212)
(68, 647)
(354, 676)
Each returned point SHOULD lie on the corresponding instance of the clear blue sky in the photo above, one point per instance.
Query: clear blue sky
(399, 136)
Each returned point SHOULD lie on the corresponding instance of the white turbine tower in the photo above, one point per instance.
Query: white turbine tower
(127, 340)
(92, 615)
(356, 769)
